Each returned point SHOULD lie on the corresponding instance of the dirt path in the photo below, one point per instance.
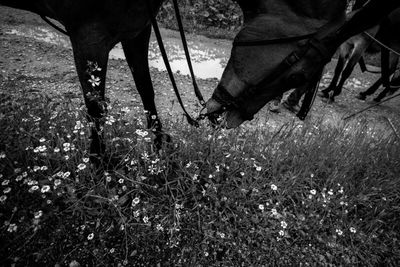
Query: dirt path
(31, 65)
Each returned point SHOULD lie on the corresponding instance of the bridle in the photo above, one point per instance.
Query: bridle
(221, 95)
(225, 98)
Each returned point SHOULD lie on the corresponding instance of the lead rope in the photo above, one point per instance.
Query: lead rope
(369, 107)
(185, 48)
(190, 120)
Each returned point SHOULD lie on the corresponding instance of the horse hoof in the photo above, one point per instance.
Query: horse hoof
(291, 108)
(161, 140)
(328, 100)
(95, 159)
(97, 147)
(323, 94)
(274, 106)
(361, 96)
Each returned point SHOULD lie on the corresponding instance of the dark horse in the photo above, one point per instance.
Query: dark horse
(256, 75)
(312, 57)
(271, 31)
(94, 28)
(351, 51)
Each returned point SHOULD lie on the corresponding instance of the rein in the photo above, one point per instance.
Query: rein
(371, 106)
(185, 47)
(191, 121)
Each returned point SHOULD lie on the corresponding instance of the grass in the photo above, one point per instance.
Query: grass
(307, 195)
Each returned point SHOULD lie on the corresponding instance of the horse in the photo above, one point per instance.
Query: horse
(94, 28)
(305, 62)
(271, 31)
(391, 86)
(350, 52)
(389, 35)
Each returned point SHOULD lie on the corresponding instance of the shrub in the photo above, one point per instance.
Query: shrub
(202, 15)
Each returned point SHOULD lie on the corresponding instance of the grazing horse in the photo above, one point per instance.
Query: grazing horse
(352, 50)
(389, 34)
(313, 56)
(94, 28)
(272, 29)
(350, 53)
(391, 61)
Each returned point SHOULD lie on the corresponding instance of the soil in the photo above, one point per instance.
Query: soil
(34, 66)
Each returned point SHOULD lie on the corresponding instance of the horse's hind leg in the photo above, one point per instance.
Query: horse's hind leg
(338, 70)
(91, 49)
(395, 82)
(353, 60)
(136, 53)
(371, 90)
(388, 84)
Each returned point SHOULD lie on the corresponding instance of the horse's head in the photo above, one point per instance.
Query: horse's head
(254, 74)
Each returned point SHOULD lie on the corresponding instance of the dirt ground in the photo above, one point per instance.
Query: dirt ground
(32, 66)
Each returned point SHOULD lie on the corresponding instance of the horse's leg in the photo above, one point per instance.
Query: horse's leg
(338, 71)
(90, 47)
(395, 82)
(292, 101)
(353, 60)
(371, 90)
(275, 104)
(387, 84)
(136, 53)
(386, 62)
(294, 98)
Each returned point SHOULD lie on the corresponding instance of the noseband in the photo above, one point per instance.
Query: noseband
(225, 98)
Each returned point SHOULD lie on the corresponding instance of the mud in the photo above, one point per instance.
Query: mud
(34, 58)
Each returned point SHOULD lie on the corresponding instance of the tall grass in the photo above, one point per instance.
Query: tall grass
(308, 195)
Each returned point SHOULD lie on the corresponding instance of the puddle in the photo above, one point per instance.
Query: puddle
(208, 60)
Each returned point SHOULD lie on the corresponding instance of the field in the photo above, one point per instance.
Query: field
(308, 194)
